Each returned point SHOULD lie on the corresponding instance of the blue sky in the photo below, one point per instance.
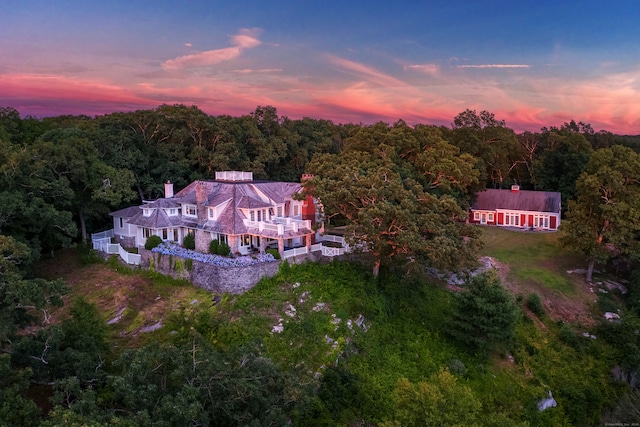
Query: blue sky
(533, 64)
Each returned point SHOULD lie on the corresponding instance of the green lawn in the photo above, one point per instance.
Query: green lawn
(537, 257)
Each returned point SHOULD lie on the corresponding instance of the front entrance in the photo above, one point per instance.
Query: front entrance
(483, 218)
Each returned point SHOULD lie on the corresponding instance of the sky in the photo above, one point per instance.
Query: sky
(531, 63)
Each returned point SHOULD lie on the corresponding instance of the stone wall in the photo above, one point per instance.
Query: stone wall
(234, 280)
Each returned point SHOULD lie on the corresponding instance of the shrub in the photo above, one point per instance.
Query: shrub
(189, 241)
(273, 252)
(485, 314)
(152, 242)
(213, 247)
(224, 249)
(534, 303)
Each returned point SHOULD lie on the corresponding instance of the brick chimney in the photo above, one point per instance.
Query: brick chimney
(168, 190)
(201, 202)
(308, 205)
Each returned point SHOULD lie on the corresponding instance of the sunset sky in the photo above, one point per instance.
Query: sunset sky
(532, 63)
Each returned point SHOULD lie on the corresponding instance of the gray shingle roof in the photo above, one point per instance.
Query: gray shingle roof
(242, 195)
(522, 200)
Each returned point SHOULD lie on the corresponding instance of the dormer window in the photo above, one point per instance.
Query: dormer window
(190, 210)
(146, 212)
(212, 213)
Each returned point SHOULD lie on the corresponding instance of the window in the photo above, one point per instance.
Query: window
(245, 240)
(490, 217)
(175, 234)
(190, 210)
(259, 216)
(147, 232)
(222, 238)
(476, 216)
(252, 215)
(511, 218)
(212, 213)
(121, 223)
(264, 214)
(173, 212)
(146, 212)
(279, 210)
(165, 234)
(296, 210)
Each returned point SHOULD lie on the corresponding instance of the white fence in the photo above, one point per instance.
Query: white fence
(294, 252)
(102, 242)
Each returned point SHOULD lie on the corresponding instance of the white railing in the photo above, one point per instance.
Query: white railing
(102, 235)
(279, 225)
(128, 257)
(234, 176)
(102, 242)
(327, 250)
(295, 252)
(335, 239)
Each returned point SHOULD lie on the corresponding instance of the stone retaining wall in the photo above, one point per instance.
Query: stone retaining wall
(234, 280)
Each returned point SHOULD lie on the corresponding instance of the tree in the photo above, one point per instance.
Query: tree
(604, 220)
(560, 164)
(71, 158)
(485, 314)
(441, 401)
(490, 141)
(395, 189)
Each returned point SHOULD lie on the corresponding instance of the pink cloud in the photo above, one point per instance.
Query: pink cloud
(246, 39)
(425, 68)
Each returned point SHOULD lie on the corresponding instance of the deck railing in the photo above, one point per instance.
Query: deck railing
(102, 242)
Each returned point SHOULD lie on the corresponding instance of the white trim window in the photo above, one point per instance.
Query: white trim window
(490, 217)
(146, 212)
(212, 213)
(541, 221)
(190, 210)
(476, 216)
(512, 218)
(172, 212)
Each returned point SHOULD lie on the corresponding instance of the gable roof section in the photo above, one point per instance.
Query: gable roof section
(129, 212)
(522, 200)
(157, 219)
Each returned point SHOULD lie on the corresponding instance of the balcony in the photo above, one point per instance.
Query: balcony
(279, 225)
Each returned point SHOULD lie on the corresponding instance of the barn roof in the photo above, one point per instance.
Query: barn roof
(521, 200)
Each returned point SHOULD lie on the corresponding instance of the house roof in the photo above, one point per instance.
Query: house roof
(129, 212)
(521, 200)
(234, 196)
(157, 219)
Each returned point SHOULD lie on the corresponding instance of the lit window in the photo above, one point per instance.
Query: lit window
(190, 210)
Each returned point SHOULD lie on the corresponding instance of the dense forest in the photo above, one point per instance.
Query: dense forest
(408, 187)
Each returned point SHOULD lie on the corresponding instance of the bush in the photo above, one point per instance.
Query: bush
(273, 252)
(534, 303)
(213, 247)
(152, 242)
(189, 241)
(224, 249)
(485, 314)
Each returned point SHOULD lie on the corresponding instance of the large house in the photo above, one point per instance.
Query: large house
(537, 210)
(250, 216)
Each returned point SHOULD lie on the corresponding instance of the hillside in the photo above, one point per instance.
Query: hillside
(350, 338)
